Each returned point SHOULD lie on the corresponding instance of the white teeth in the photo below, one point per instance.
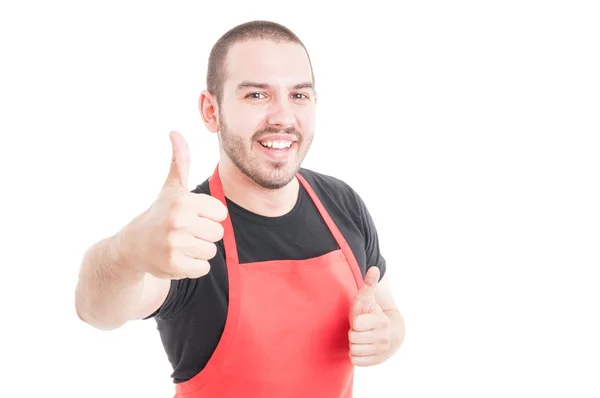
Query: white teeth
(277, 144)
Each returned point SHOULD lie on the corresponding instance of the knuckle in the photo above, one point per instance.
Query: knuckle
(177, 210)
(208, 230)
(204, 199)
(352, 337)
(224, 212)
(177, 204)
(383, 343)
(219, 232)
(219, 209)
(179, 218)
(211, 250)
(202, 268)
(171, 243)
(214, 232)
(172, 263)
(172, 221)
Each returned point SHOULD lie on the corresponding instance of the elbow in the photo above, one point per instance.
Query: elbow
(86, 315)
(98, 322)
(80, 309)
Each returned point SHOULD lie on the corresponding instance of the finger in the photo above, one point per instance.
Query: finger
(364, 361)
(363, 323)
(363, 350)
(363, 305)
(180, 161)
(367, 337)
(364, 301)
(188, 267)
(205, 229)
(197, 248)
(370, 282)
(195, 268)
(209, 207)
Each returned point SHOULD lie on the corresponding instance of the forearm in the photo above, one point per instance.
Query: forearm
(108, 289)
(397, 329)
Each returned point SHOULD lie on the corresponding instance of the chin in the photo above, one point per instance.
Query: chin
(275, 176)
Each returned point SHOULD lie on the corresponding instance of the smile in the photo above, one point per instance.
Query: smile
(276, 144)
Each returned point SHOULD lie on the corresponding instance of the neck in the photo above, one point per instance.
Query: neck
(242, 190)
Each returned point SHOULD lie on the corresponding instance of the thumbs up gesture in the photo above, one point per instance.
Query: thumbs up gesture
(370, 332)
(176, 236)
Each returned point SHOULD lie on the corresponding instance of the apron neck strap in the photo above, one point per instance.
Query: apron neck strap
(216, 190)
(231, 253)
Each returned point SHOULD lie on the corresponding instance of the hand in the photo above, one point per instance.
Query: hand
(176, 236)
(370, 332)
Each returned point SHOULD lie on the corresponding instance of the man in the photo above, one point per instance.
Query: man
(265, 280)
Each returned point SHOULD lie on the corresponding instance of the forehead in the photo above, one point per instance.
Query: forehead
(267, 61)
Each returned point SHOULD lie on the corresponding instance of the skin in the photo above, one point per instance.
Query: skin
(282, 103)
(285, 101)
(376, 326)
(267, 90)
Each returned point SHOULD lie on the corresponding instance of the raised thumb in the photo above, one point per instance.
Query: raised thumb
(364, 302)
(180, 161)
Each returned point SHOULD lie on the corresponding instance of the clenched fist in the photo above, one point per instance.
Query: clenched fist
(176, 236)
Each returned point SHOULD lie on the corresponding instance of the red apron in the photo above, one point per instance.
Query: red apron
(286, 333)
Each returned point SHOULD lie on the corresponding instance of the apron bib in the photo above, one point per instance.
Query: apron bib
(286, 332)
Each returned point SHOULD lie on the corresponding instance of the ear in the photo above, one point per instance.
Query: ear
(209, 110)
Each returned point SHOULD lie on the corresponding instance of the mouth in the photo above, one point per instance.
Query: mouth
(276, 144)
(277, 148)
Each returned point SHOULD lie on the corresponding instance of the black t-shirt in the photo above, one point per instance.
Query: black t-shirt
(192, 318)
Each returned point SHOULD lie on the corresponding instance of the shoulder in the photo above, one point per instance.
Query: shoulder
(338, 197)
(202, 188)
(326, 185)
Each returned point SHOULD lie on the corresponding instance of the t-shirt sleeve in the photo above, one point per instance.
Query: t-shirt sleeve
(179, 293)
(373, 252)
(169, 300)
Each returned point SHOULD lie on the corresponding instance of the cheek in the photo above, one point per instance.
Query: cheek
(306, 120)
(307, 129)
(244, 122)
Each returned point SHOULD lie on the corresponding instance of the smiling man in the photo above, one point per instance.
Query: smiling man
(266, 280)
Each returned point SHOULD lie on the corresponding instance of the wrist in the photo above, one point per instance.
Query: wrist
(397, 328)
(123, 251)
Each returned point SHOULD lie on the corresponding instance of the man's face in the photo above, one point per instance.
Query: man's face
(267, 112)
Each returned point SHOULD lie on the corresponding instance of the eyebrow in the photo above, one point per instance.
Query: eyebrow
(263, 86)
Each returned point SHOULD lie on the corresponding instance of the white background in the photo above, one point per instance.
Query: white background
(470, 129)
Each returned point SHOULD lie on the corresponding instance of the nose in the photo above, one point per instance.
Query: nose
(282, 115)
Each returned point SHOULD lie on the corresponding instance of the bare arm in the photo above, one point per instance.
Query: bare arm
(111, 291)
(128, 276)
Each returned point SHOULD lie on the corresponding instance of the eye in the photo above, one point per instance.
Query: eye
(254, 95)
(299, 96)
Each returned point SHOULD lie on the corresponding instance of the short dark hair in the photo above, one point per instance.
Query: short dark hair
(253, 30)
